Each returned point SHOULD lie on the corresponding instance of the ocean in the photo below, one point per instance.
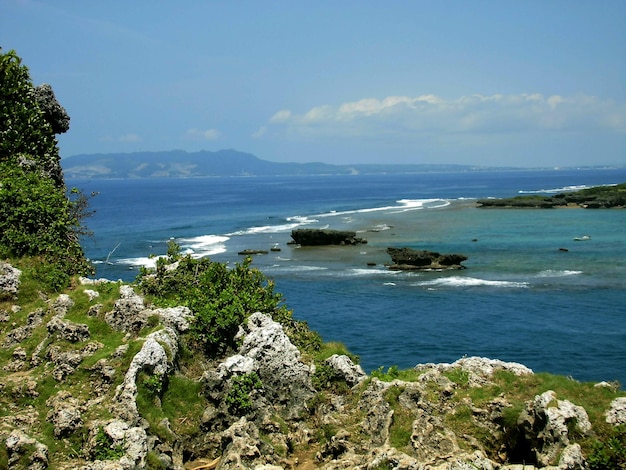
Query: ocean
(530, 292)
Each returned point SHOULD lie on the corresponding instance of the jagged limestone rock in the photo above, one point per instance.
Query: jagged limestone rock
(131, 442)
(9, 281)
(352, 373)
(62, 304)
(65, 414)
(25, 452)
(68, 330)
(276, 361)
(480, 369)
(19, 334)
(129, 313)
(378, 414)
(546, 423)
(153, 357)
(52, 110)
(616, 414)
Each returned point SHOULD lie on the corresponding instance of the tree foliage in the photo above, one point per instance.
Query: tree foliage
(221, 299)
(37, 216)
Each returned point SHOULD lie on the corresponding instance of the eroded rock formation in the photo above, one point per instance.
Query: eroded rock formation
(408, 259)
(264, 405)
(319, 237)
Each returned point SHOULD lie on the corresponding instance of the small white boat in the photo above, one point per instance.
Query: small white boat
(583, 238)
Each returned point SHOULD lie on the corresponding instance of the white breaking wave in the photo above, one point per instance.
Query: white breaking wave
(196, 247)
(558, 190)
(557, 273)
(292, 223)
(404, 205)
(460, 281)
(204, 245)
(146, 262)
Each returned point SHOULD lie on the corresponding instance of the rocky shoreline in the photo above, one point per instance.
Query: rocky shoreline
(264, 405)
(599, 197)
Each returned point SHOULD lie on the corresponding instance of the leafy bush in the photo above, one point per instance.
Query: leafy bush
(104, 448)
(220, 298)
(611, 453)
(238, 397)
(393, 373)
(37, 217)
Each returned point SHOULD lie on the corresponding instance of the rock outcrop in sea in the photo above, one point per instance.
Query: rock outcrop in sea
(408, 259)
(319, 237)
(92, 379)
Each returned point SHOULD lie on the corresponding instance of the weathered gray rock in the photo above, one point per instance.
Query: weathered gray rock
(432, 442)
(318, 237)
(276, 361)
(20, 333)
(407, 259)
(572, 458)
(54, 113)
(65, 414)
(616, 414)
(62, 304)
(129, 312)
(91, 294)
(157, 355)
(9, 281)
(178, 318)
(22, 448)
(378, 413)
(68, 330)
(352, 373)
(546, 424)
(131, 440)
(242, 445)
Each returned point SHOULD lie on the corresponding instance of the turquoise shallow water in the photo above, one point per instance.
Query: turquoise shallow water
(521, 298)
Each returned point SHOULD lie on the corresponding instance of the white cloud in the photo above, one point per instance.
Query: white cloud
(130, 138)
(208, 134)
(126, 138)
(431, 114)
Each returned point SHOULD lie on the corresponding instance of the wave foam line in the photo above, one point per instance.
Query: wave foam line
(460, 281)
(557, 273)
(293, 222)
(559, 190)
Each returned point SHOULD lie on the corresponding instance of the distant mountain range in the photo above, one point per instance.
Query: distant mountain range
(181, 164)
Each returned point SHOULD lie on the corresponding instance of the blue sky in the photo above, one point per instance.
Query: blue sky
(502, 82)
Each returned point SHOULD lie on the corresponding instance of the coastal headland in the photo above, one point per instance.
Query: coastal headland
(106, 375)
(599, 197)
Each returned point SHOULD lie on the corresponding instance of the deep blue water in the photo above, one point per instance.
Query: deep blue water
(520, 299)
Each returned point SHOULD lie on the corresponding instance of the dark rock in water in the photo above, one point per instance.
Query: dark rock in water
(319, 237)
(253, 252)
(563, 249)
(409, 259)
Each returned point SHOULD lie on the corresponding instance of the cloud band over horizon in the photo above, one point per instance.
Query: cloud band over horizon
(429, 113)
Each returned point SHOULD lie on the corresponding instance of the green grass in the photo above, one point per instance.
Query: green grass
(402, 424)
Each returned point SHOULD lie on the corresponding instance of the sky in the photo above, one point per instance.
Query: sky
(521, 83)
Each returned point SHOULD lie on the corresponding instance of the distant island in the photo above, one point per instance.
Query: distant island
(182, 164)
(589, 198)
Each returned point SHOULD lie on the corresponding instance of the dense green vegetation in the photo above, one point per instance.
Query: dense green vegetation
(40, 224)
(37, 215)
(220, 298)
(589, 198)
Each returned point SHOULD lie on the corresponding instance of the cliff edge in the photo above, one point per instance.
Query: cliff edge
(99, 377)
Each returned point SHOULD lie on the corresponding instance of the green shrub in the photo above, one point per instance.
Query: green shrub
(37, 216)
(220, 298)
(104, 448)
(393, 373)
(609, 454)
(238, 397)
